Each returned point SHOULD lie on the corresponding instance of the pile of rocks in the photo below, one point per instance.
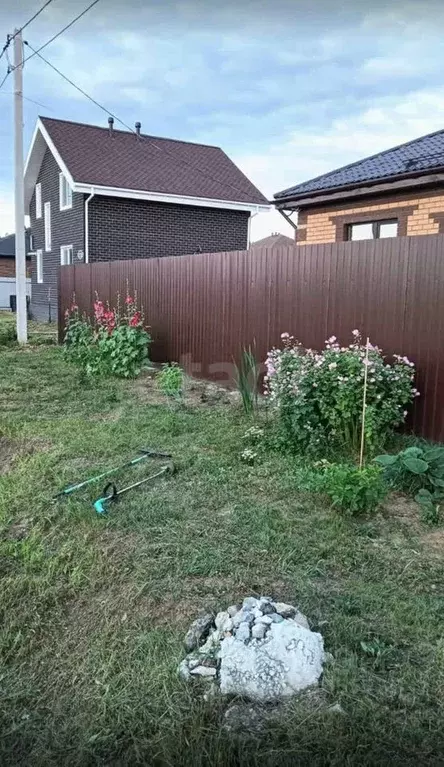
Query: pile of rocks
(263, 650)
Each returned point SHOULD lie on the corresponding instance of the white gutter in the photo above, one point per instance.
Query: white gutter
(137, 194)
(252, 215)
(87, 225)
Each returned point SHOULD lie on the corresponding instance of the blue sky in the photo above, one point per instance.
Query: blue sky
(288, 88)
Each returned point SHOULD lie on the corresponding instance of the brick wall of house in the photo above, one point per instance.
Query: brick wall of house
(417, 213)
(67, 228)
(7, 267)
(121, 228)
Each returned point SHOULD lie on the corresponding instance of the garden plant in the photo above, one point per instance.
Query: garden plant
(115, 343)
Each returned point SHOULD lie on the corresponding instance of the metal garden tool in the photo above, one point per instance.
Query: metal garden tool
(147, 452)
(114, 495)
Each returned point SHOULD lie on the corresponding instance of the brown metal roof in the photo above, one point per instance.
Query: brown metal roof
(147, 163)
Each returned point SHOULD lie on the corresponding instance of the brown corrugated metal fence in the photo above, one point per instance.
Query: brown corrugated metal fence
(203, 308)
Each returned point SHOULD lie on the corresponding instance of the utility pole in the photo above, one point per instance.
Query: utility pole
(20, 255)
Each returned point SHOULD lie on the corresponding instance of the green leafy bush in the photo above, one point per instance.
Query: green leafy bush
(115, 344)
(170, 379)
(419, 472)
(8, 334)
(319, 395)
(353, 490)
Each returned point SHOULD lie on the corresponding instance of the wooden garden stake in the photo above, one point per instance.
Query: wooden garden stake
(364, 405)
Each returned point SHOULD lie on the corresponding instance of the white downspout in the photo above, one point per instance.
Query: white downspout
(87, 225)
(249, 226)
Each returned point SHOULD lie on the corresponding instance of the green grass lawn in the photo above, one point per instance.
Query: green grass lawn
(94, 609)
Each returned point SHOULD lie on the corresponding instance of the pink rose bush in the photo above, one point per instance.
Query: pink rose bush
(116, 342)
(319, 395)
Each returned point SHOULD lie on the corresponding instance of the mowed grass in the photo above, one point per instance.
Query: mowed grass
(94, 609)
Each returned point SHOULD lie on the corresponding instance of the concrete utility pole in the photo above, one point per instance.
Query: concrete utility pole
(20, 255)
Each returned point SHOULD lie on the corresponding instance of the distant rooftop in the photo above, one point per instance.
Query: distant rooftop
(272, 241)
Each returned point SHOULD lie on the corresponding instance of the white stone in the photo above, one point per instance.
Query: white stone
(264, 619)
(250, 603)
(258, 630)
(287, 611)
(287, 661)
(228, 625)
(257, 613)
(243, 632)
(212, 642)
(232, 610)
(184, 670)
(220, 619)
(301, 619)
(203, 671)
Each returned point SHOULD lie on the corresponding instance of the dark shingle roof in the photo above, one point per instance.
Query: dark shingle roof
(148, 163)
(7, 246)
(273, 241)
(421, 154)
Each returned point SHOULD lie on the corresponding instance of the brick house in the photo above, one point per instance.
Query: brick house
(7, 254)
(395, 193)
(100, 194)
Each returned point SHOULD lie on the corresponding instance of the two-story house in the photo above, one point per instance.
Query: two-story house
(395, 193)
(100, 194)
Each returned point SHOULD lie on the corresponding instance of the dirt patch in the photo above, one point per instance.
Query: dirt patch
(403, 509)
(13, 449)
(434, 540)
(196, 393)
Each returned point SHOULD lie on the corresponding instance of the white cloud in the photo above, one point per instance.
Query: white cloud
(303, 155)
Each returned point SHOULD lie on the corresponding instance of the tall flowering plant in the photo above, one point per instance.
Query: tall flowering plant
(320, 394)
(116, 342)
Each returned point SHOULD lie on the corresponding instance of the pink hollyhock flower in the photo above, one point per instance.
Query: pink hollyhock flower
(135, 320)
(129, 300)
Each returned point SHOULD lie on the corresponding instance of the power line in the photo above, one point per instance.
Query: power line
(84, 93)
(48, 2)
(4, 79)
(111, 114)
(61, 31)
(10, 38)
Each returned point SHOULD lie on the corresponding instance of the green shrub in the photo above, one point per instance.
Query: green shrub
(247, 376)
(353, 490)
(419, 472)
(8, 335)
(116, 344)
(170, 379)
(319, 395)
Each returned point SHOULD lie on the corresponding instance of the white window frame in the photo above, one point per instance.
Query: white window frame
(65, 193)
(63, 250)
(38, 200)
(39, 265)
(47, 216)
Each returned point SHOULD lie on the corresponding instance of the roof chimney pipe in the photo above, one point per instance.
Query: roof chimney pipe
(111, 125)
(138, 127)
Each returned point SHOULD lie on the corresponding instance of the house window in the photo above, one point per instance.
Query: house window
(66, 255)
(47, 213)
(373, 230)
(39, 262)
(38, 200)
(65, 193)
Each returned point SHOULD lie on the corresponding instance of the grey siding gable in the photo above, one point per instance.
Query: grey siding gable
(67, 228)
(123, 228)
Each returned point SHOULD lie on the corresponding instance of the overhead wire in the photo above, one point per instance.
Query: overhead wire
(51, 40)
(10, 38)
(128, 127)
